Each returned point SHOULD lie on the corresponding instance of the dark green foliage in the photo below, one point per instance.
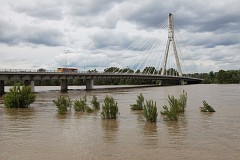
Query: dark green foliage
(109, 108)
(19, 97)
(171, 113)
(63, 104)
(95, 103)
(206, 107)
(222, 77)
(176, 106)
(149, 70)
(182, 102)
(81, 105)
(150, 111)
(139, 104)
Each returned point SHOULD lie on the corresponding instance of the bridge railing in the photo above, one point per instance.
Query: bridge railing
(83, 72)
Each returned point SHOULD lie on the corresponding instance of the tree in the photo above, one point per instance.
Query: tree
(176, 106)
(171, 112)
(95, 103)
(109, 108)
(63, 104)
(139, 103)
(19, 97)
(149, 70)
(81, 105)
(111, 69)
(206, 107)
(172, 71)
(150, 111)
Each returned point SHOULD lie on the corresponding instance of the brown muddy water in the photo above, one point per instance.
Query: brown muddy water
(39, 133)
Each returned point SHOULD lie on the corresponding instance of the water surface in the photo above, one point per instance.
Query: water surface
(40, 133)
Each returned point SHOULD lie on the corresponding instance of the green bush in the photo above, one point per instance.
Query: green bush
(150, 111)
(206, 107)
(63, 104)
(19, 97)
(182, 102)
(171, 113)
(95, 103)
(109, 108)
(81, 105)
(176, 106)
(139, 103)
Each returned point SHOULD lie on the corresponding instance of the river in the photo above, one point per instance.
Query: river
(39, 133)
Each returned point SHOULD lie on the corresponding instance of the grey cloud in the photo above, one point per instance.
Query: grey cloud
(90, 7)
(7, 35)
(191, 15)
(111, 40)
(13, 35)
(49, 10)
(42, 36)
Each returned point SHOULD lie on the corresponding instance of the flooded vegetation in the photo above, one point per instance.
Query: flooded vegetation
(40, 132)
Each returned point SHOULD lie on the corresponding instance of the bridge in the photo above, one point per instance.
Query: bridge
(29, 76)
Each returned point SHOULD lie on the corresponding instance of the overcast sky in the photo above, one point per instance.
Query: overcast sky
(89, 34)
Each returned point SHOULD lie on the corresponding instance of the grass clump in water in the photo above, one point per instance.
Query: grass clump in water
(81, 105)
(139, 103)
(109, 108)
(19, 97)
(182, 102)
(171, 113)
(95, 103)
(150, 111)
(176, 106)
(63, 104)
(206, 107)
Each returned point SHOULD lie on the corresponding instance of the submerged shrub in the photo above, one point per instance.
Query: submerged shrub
(206, 107)
(150, 111)
(63, 104)
(109, 108)
(81, 105)
(182, 102)
(95, 103)
(171, 112)
(19, 97)
(176, 106)
(139, 103)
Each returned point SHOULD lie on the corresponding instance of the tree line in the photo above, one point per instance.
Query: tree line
(220, 77)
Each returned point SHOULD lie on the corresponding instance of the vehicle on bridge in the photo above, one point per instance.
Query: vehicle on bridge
(67, 70)
(41, 70)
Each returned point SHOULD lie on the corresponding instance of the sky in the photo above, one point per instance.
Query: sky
(96, 34)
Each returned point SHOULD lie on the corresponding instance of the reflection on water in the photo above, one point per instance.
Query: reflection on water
(110, 128)
(177, 132)
(150, 135)
(40, 133)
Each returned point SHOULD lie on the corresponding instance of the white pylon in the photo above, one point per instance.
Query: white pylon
(171, 39)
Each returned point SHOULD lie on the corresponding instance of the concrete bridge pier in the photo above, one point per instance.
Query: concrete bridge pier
(2, 87)
(64, 85)
(160, 82)
(183, 82)
(89, 84)
(31, 84)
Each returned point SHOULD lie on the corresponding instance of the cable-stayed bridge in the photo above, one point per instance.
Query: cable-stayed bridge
(165, 72)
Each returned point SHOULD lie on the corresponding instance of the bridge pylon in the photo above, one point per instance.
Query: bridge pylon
(171, 39)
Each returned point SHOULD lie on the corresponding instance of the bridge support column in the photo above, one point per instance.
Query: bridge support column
(31, 84)
(183, 82)
(89, 84)
(160, 82)
(1, 87)
(64, 85)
